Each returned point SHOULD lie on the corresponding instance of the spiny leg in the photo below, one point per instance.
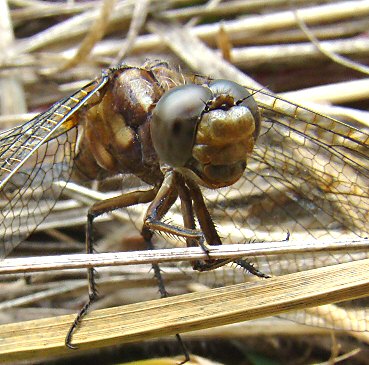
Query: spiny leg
(165, 198)
(163, 292)
(206, 224)
(96, 210)
(189, 217)
(186, 209)
(249, 267)
(163, 201)
(211, 234)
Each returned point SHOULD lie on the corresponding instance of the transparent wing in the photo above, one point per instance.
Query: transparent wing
(32, 157)
(309, 176)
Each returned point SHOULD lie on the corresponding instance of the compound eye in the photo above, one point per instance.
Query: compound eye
(221, 86)
(174, 121)
(240, 95)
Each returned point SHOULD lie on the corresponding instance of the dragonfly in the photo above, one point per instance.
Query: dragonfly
(243, 164)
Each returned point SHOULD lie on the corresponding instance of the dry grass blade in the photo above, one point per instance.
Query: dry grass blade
(138, 19)
(192, 51)
(95, 33)
(187, 312)
(333, 56)
(347, 91)
(254, 56)
(61, 262)
(12, 98)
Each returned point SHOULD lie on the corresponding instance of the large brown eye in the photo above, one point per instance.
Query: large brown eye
(239, 93)
(174, 122)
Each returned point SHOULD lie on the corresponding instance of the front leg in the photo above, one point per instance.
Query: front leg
(96, 210)
(211, 234)
(163, 201)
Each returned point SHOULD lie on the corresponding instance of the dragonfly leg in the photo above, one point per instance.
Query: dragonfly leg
(189, 192)
(163, 201)
(147, 235)
(166, 197)
(96, 210)
(211, 234)
(248, 266)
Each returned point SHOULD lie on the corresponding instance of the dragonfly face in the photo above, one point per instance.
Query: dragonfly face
(210, 129)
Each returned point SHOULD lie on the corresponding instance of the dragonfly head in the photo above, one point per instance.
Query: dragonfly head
(208, 129)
